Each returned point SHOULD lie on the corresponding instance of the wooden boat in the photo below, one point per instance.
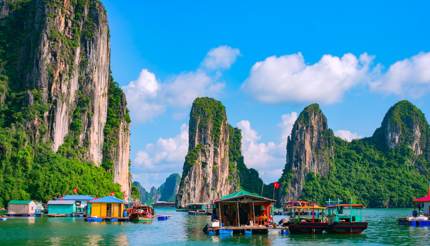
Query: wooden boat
(141, 213)
(199, 209)
(346, 218)
(306, 219)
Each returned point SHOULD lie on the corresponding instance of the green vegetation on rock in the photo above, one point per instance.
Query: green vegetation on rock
(29, 169)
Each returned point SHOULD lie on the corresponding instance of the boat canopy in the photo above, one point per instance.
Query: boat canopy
(423, 199)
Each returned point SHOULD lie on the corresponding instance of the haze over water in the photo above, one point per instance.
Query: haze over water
(182, 229)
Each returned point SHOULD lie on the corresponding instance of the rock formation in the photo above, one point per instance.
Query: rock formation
(309, 150)
(169, 188)
(58, 58)
(404, 124)
(207, 173)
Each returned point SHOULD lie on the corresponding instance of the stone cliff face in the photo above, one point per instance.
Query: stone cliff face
(207, 173)
(61, 60)
(309, 150)
(404, 124)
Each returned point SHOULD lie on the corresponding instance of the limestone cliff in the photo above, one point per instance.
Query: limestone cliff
(309, 150)
(207, 173)
(404, 124)
(58, 76)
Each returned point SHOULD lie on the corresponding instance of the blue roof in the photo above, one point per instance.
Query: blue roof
(107, 199)
(78, 197)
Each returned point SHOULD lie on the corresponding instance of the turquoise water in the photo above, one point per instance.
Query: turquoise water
(182, 229)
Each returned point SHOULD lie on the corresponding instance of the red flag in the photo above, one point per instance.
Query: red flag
(75, 190)
(276, 185)
(112, 193)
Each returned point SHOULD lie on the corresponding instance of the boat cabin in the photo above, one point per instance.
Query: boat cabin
(243, 208)
(108, 207)
(22, 208)
(61, 208)
(345, 213)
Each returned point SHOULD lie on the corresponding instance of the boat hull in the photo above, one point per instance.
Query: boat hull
(347, 228)
(308, 228)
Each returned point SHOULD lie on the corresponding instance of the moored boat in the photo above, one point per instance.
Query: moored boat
(199, 209)
(306, 219)
(141, 213)
(345, 218)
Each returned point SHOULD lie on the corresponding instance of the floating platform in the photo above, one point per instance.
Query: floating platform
(414, 223)
(243, 230)
(97, 219)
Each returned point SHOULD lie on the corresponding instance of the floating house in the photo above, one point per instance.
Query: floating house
(61, 208)
(22, 208)
(241, 212)
(106, 208)
(81, 202)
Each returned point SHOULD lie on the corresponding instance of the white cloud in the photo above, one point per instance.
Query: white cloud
(162, 158)
(410, 77)
(266, 157)
(221, 57)
(287, 123)
(185, 87)
(148, 97)
(347, 135)
(142, 97)
(289, 78)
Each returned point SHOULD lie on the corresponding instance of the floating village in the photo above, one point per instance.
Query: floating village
(239, 213)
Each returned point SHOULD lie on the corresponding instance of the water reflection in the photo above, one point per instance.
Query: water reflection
(93, 239)
(121, 240)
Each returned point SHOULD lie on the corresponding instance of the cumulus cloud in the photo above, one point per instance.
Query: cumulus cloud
(289, 78)
(142, 96)
(221, 57)
(408, 77)
(347, 135)
(162, 158)
(266, 157)
(149, 97)
(287, 123)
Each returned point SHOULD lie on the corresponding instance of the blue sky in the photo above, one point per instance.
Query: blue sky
(171, 42)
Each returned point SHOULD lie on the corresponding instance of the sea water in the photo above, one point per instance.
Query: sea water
(182, 229)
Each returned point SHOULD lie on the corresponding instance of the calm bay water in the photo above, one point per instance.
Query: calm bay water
(182, 229)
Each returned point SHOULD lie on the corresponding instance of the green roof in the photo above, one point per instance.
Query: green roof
(242, 193)
(20, 202)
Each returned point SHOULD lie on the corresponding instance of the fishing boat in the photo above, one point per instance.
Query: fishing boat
(141, 213)
(199, 209)
(345, 218)
(421, 213)
(306, 218)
